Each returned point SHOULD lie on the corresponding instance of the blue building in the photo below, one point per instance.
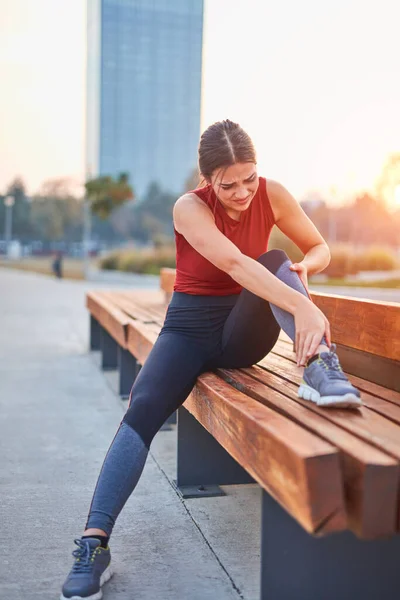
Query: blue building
(144, 65)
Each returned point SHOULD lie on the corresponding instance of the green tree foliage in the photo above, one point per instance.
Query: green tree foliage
(152, 218)
(193, 180)
(21, 222)
(106, 193)
(56, 214)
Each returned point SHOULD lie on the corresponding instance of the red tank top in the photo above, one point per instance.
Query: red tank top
(198, 276)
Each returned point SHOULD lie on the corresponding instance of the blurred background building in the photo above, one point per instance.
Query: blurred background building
(144, 63)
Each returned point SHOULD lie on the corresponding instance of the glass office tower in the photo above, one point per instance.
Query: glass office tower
(143, 90)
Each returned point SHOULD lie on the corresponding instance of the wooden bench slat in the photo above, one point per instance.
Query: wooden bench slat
(108, 315)
(301, 471)
(282, 349)
(371, 477)
(140, 309)
(140, 340)
(381, 405)
(364, 423)
(153, 308)
(377, 328)
(133, 310)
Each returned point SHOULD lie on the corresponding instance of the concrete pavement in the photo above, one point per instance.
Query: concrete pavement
(58, 415)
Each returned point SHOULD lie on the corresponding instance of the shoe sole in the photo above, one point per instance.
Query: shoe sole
(346, 401)
(108, 573)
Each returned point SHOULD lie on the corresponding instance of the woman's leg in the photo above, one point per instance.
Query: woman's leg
(252, 329)
(163, 384)
(253, 326)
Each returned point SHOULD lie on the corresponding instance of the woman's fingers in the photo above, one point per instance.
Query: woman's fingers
(315, 342)
(307, 341)
(299, 346)
(328, 332)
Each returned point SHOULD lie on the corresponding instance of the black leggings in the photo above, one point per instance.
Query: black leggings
(200, 333)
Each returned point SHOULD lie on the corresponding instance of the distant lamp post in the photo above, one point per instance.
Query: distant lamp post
(87, 230)
(9, 202)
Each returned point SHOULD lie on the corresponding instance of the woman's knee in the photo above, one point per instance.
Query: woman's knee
(273, 259)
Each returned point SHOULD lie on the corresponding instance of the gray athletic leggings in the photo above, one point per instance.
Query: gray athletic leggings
(200, 333)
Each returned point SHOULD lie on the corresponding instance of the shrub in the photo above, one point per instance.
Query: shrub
(376, 259)
(140, 261)
(282, 242)
(340, 264)
(110, 262)
(345, 260)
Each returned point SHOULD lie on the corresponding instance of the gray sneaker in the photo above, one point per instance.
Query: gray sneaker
(91, 569)
(325, 383)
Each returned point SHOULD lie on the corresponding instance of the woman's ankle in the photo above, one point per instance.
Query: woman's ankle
(322, 348)
(94, 531)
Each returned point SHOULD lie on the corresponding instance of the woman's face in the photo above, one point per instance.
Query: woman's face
(235, 186)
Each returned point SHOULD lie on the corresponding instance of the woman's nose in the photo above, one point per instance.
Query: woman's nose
(241, 193)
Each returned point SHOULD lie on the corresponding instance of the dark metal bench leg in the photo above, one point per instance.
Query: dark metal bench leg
(297, 566)
(172, 419)
(109, 351)
(128, 368)
(203, 463)
(94, 334)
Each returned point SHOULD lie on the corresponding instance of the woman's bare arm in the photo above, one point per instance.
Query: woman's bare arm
(194, 220)
(291, 219)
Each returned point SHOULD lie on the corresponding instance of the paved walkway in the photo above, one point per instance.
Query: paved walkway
(58, 415)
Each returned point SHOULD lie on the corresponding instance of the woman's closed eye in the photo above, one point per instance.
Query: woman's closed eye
(230, 185)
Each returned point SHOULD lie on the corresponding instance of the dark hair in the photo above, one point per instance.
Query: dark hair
(223, 144)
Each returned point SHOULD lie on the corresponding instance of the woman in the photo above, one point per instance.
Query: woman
(231, 298)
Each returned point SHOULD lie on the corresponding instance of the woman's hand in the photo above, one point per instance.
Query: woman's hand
(311, 326)
(301, 269)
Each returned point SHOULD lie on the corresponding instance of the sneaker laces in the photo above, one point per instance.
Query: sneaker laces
(331, 361)
(84, 556)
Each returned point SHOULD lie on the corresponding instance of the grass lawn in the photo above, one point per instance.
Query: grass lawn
(72, 267)
(388, 283)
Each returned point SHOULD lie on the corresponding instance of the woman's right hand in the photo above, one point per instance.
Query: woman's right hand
(311, 326)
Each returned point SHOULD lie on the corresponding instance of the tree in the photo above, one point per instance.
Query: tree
(193, 180)
(153, 216)
(106, 193)
(388, 180)
(56, 213)
(21, 226)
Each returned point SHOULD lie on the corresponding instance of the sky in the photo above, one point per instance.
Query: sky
(315, 83)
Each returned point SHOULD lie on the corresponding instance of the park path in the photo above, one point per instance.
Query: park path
(58, 415)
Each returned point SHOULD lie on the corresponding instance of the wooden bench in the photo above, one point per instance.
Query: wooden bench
(322, 471)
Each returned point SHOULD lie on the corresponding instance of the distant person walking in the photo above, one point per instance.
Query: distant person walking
(231, 298)
(57, 265)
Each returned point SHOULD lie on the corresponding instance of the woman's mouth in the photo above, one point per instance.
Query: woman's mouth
(243, 201)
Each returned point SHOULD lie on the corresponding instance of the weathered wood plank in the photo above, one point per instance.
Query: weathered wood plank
(167, 279)
(140, 340)
(282, 349)
(301, 471)
(363, 422)
(109, 316)
(371, 477)
(130, 307)
(375, 326)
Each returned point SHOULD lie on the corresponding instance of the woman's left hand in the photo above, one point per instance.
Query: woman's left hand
(301, 269)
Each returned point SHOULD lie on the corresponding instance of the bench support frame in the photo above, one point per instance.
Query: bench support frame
(109, 351)
(95, 333)
(128, 369)
(203, 464)
(297, 565)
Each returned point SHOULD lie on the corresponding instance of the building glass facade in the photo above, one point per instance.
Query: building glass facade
(144, 88)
